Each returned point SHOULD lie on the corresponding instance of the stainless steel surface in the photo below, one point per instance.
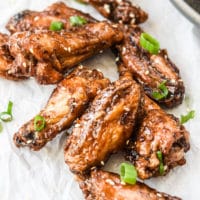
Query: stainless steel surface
(188, 11)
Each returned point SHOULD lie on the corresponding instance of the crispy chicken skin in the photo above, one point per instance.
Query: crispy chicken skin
(105, 126)
(67, 102)
(119, 11)
(103, 185)
(32, 20)
(158, 131)
(150, 70)
(47, 55)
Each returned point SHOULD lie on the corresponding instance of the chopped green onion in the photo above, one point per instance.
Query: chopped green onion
(158, 95)
(77, 21)
(160, 158)
(39, 123)
(185, 118)
(56, 26)
(149, 43)
(9, 108)
(1, 127)
(4, 116)
(7, 115)
(128, 173)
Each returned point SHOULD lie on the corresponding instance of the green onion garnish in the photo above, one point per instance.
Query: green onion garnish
(128, 173)
(149, 43)
(56, 26)
(77, 21)
(185, 118)
(158, 95)
(7, 115)
(1, 127)
(39, 123)
(160, 158)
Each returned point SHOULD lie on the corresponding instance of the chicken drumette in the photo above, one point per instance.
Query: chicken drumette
(67, 102)
(28, 20)
(101, 185)
(105, 126)
(47, 55)
(150, 70)
(119, 11)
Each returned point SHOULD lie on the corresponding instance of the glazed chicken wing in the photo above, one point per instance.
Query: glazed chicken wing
(67, 102)
(119, 11)
(162, 132)
(28, 20)
(150, 70)
(103, 185)
(47, 55)
(105, 127)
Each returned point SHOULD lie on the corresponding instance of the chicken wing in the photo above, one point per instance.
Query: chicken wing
(156, 131)
(105, 127)
(162, 132)
(119, 11)
(103, 185)
(150, 70)
(67, 102)
(47, 55)
(28, 20)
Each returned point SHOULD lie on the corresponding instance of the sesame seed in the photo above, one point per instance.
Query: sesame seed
(102, 163)
(92, 168)
(107, 8)
(114, 25)
(132, 15)
(24, 64)
(77, 125)
(31, 50)
(36, 18)
(119, 1)
(133, 21)
(117, 59)
(159, 195)
(123, 50)
(109, 181)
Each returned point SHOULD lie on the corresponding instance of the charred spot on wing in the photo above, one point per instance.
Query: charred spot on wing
(19, 16)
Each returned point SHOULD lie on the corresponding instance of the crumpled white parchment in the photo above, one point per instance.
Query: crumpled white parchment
(43, 175)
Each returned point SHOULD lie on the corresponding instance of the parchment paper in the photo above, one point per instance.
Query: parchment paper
(27, 175)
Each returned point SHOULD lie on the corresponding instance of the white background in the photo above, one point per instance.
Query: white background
(26, 175)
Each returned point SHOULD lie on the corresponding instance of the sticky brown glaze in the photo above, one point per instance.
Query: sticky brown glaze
(158, 131)
(6, 59)
(119, 11)
(67, 102)
(28, 20)
(105, 127)
(150, 70)
(47, 55)
(103, 185)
